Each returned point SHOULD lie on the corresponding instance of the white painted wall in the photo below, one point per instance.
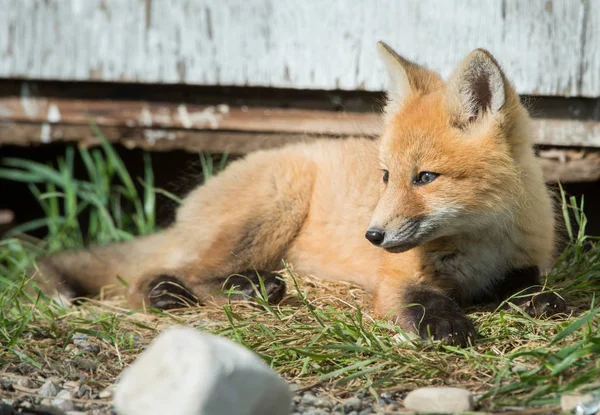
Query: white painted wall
(547, 47)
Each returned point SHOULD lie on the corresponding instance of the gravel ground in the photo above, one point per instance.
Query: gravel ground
(35, 395)
(310, 403)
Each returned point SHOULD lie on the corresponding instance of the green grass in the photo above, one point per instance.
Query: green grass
(323, 336)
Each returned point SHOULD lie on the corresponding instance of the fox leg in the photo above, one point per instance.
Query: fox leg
(168, 292)
(421, 307)
(242, 220)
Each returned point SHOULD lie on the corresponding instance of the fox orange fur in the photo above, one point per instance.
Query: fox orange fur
(451, 199)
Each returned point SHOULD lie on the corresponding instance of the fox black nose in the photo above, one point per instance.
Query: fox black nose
(375, 236)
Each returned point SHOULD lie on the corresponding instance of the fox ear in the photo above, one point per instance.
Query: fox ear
(406, 77)
(476, 86)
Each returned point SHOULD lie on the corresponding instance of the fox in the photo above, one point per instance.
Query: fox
(446, 209)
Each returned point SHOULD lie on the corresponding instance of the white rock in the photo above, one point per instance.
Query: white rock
(106, 393)
(48, 389)
(352, 404)
(439, 400)
(185, 372)
(63, 400)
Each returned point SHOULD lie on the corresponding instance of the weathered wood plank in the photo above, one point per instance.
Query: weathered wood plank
(153, 139)
(558, 164)
(189, 116)
(47, 111)
(546, 47)
(570, 165)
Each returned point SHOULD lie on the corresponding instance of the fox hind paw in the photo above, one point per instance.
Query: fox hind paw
(454, 330)
(168, 292)
(545, 305)
(248, 285)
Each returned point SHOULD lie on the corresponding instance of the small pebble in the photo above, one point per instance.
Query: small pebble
(48, 389)
(80, 340)
(323, 403)
(106, 393)
(83, 392)
(442, 399)
(308, 399)
(352, 404)
(6, 384)
(63, 401)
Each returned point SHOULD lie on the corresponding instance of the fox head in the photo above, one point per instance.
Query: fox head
(447, 152)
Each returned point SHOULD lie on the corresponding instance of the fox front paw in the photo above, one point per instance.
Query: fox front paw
(434, 315)
(455, 330)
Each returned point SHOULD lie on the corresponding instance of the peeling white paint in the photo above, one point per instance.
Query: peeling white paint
(546, 47)
(223, 109)
(146, 118)
(53, 114)
(208, 117)
(45, 133)
(184, 116)
(30, 106)
(162, 116)
(152, 136)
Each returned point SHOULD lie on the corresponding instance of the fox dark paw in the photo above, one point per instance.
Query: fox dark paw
(437, 316)
(247, 285)
(454, 330)
(168, 292)
(542, 305)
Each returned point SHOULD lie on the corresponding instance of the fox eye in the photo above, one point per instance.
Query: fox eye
(386, 176)
(424, 177)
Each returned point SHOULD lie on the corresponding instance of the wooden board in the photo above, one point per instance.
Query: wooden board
(187, 116)
(547, 47)
(158, 118)
(559, 164)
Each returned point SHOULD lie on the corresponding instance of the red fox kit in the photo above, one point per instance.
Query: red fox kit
(447, 209)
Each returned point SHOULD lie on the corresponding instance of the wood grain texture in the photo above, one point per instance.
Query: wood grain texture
(188, 116)
(153, 115)
(558, 164)
(547, 47)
